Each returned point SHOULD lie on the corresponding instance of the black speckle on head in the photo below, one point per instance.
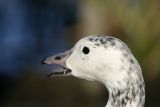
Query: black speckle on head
(97, 44)
(57, 58)
(125, 55)
(102, 41)
(127, 98)
(110, 39)
(131, 61)
(122, 48)
(123, 102)
(91, 39)
(133, 92)
(112, 43)
(118, 93)
(96, 39)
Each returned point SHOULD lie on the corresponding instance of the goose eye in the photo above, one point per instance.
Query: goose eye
(85, 50)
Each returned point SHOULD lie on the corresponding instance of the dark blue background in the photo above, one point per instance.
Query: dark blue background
(32, 29)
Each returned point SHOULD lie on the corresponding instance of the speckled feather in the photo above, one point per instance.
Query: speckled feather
(109, 61)
(133, 93)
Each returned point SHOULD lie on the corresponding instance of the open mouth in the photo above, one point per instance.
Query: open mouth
(60, 72)
(59, 59)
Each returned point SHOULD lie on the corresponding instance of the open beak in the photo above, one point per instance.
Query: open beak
(59, 59)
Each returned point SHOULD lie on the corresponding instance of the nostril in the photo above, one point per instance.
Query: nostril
(57, 58)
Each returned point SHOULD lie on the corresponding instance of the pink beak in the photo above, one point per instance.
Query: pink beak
(59, 59)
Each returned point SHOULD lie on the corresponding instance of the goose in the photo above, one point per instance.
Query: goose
(108, 60)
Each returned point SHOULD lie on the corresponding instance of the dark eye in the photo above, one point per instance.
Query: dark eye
(85, 50)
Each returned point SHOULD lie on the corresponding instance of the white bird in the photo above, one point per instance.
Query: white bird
(109, 61)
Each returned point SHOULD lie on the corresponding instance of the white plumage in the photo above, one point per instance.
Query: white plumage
(107, 60)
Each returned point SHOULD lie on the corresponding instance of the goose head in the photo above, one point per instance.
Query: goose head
(107, 60)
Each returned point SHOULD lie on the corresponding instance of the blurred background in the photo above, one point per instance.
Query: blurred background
(31, 30)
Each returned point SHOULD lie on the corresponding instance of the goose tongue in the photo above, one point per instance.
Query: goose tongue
(59, 59)
(60, 72)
